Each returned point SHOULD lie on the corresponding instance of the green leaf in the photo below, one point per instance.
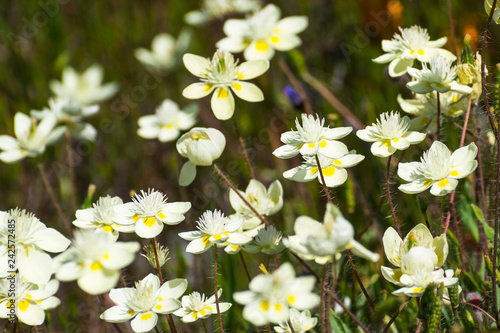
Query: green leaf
(338, 325)
(490, 233)
(467, 215)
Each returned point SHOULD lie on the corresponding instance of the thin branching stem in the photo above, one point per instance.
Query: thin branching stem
(204, 325)
(483, 70)
(452, 27)
(349, 313)
(389, 196)
(438, 130)
(243, 148)
(249, 205)
(216, 290)
(462, 141)
(245, 267)
(330, 98)
(393, 318)
(53, 198)
(297, 86)
(324, 310)
(170, 319)
(358, 279)
(71, 165)
(325, 188)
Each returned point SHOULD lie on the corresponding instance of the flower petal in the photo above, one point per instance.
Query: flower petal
(197, 90)
(247, 91)
(222, 104)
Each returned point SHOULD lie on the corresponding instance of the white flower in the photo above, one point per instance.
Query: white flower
(488, 5)
(220, 74)
(322, 241)
(390, 134)
(312, 138)
(272, 295)
(413, 43)
(202, 146)
(100, 217)
(85, 88)
(31, 139)
(333, 169)
(30, 300)
(301, 322)
(418, 255)
(143, 303)
(31, 238)
(439, 76)
(250, 234)
(164, 50)
(70, 114)
(214, 228)
(438, 169)
(267, 240)
(168, 121)
(213, 9)
(149, 211)
(196, 306)
(265, 202)
(424, 108)
(263, 33)
(95, 260)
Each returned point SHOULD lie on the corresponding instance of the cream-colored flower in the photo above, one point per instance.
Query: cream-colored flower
(222, 75)
(28, 300)
(438, 169)
(100, 217)
(424, 108)
(412, 44)
(418, 258)
(390, 134)
(94, 260)
(202, 146)
(333, 169)
(271, 296)
(214, 228)
(164, 51)
(30, 243)
(263, 33)
(301, 322)
(31, 138)
(216, 9)
(85, 88)
(438, 76)
(167, 122)
(488, 5)
(149, 212)
(265, 202)
(145, 302)
(196, 306)
(322, 241)
(311, 138)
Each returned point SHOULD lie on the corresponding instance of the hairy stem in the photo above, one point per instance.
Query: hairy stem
(53, 198)
(228, 182)
(358, 279)
(243, 148)
(216, 291)
(389, 196)
(325, 188)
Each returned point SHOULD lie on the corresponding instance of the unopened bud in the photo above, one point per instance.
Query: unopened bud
(162, 252)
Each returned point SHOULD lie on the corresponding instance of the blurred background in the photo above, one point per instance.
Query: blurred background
(40, 38)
